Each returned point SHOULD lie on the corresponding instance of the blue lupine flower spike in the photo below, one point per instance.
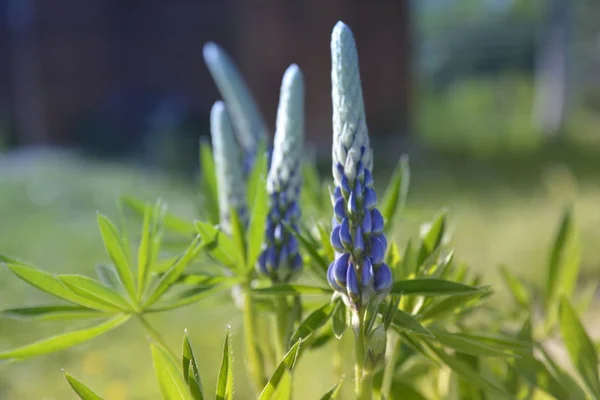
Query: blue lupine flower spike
(226, 153)
(358, 272)
(280, 260)
(249, 125)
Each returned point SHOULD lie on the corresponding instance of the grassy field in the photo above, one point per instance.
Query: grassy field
(500, 214)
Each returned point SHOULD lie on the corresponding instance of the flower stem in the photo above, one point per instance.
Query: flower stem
(363, 379)
(390, 366)
(254, 358)
(153, 333)
(281, 320)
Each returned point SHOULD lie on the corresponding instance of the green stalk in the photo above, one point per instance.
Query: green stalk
(363, 379)
(153, 333)
(390, 366)
(254, 358)
(281, 320)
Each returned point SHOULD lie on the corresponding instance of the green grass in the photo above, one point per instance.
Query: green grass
(47, 216)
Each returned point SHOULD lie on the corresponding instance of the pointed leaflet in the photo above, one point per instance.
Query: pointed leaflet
(580, 347)
(149, 244)
(172, 385)
(188, 297)
(50, 284)
(470, 345)
(394, 197)
(314, 321)
(432, 287)
(94, 291)
(47, 313)
(404, 321)
(171, 222)
(208, 183)
(291, 289)
(431, 238)
(108, 276)
(82, 391)
(333, 392)
(287, 364)
(258, 221)
(171, 276)
(338, 320)
(190, 369)
(220, 246)
(116, 251)
(517, 288)
(564, 260)
(225, 380)
(238, 234)
(63, 341)
(258, 175)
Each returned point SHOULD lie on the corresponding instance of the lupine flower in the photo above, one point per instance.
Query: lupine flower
(357, 236)
(232, 190)
(249, 125)
(280, 259)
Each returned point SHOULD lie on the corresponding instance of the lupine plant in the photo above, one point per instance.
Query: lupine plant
(421, 326)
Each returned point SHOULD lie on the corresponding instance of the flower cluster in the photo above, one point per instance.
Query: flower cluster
(249, 125)
(280, 259)
(357, 236)
(232, 190)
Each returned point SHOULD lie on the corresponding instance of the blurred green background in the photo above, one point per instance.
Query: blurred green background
(498, 108)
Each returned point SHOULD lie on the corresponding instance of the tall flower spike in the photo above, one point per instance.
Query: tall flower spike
(358, 239)
(280, 259)
(226, 152)
(249, 125)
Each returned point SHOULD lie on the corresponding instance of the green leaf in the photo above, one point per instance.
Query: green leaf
(172, 385)
(333, 392)
(564, 261)
(409, 260)
(190, 369)
(108, 276)
(238, 234)
(284, 389)
(467, 372)
(517, 288)
(149, 244)
(116, 251)
(63, 341)
(470, 345)
(286, 289)
(390, 310)
(580, 347)
(173, 273)
(452, 305)
(395, 194)
(208, 183)
(258, 222)
(311, 188)
(287, 364)
(338, 320)
(56, 312)
(188, 297)
(171, 222)
(50, 284)
(326, 241)
(225, 380)
(220, 246)
(94, 291)
(314, 321)
(311, 247)
(406, 322)
(82, 391)
(431, 238)
(432, 287)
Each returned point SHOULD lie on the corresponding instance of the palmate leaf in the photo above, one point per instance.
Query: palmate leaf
(579, 346)
(63, 341)
(50, 284)
(54, 312)
(258, 222)
(395, 194)
(225, 379)
(432, 287)
(82, 391)
(286, 365)
(220, 246)
(113, 244)
(173, 273)
(171, 222)
(171, 382)
(94, 291)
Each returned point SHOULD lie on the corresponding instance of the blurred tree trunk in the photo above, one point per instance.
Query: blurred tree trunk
(25, 77)
(552, 75)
